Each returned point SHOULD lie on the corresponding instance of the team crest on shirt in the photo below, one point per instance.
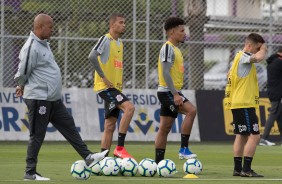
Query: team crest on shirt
(255, 127)
(42, 110)
(171, 107)
(111, 106)
(119, 98)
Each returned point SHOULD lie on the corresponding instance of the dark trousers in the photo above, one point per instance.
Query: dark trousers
(40, 113)
(275, 113)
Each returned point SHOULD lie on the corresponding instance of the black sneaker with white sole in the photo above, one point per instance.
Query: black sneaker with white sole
(35, 176)
(236, 173)
(250, 173)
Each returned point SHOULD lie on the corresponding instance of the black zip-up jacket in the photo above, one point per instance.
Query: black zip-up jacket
(274, 77)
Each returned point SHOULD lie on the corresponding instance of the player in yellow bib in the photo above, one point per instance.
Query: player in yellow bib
(107, 59)
(171, 76)
(242, 97)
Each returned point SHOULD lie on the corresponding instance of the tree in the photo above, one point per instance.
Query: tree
(196, 19)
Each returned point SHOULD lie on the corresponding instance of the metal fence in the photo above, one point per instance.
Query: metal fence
(215, 32)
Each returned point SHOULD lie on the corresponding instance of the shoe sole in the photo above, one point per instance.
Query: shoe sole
(252, 176)
(181, 157)
(117, 156)
(95, 162)
(35, 180)
(262, 144)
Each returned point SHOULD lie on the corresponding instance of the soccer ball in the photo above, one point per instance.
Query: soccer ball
(118, 161)
(147, 167)
(166, 168)
(128, 167)
(192, 166)
(109, 166)
(80, 170)
(96, 169)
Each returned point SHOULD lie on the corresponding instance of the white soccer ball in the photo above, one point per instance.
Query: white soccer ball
(192, 166)
(80, 170)
(128, 167)
(118, 161)
(147, 167)
(109, 166)
(166, 168)
(96, 169)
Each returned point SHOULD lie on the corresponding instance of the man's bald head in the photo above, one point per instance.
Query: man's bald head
(43, 26)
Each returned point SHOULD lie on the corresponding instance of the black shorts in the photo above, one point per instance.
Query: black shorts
(112, 98)
(168, 107)
(245, 121)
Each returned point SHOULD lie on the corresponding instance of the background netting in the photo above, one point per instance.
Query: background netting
(216, 30)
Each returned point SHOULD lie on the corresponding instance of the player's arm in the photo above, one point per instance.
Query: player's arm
(167, 56)
(93, 58)
(167, 77)
(260, 55)
(28, 59)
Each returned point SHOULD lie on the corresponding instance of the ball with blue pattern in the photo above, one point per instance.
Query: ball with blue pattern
(166, 168)
(147, 167)
(109, 166)
(128, 167)
(80, 170)
(192, 166)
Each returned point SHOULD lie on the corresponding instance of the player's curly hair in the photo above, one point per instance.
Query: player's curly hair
(173, 22)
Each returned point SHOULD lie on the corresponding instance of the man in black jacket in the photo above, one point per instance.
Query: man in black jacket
(274, 90)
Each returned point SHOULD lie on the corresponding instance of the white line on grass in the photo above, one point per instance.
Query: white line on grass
(154, 179)
(181, 179)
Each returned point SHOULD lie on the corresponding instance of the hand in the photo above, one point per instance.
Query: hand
(178, 99)
(19, 91)
(107, 82)
(263, 47)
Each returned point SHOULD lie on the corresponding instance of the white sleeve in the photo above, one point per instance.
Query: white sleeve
(167, 54)
(245, 58)
(99, 47)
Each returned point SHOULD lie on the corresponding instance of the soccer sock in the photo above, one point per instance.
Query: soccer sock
(121, 138)
(247, 164)
(184, 140)
(103, 149)
(159, 155)
(238, 164)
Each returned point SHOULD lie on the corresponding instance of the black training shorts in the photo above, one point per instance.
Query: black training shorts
(168, 107)
(112, 98)
(245, 121)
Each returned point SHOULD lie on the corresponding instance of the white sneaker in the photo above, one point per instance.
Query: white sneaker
(264, 142)
(35, 176)
(96, 157)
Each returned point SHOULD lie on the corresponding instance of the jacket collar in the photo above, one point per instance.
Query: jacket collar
(44, 42)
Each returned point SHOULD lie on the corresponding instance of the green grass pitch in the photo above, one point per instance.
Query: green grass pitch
(56, 158)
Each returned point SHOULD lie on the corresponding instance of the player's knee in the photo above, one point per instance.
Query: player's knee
(110, 127)
(165, 129)
(130, 108)
(193, 111)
